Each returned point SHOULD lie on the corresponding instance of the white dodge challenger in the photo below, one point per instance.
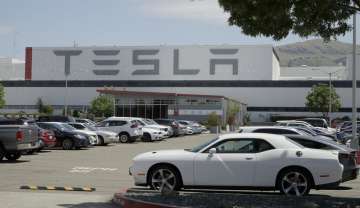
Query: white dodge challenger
(240, 161)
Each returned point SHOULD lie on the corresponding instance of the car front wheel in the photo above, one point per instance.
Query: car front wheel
(294, 182)
(67, 144)
(124, 138)
(165, 179)
(13, 156)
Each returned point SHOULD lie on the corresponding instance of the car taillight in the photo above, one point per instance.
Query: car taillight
(19, 135)
(357, 157)
(133, 126)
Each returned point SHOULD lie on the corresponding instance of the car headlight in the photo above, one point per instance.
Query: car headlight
(79, 136)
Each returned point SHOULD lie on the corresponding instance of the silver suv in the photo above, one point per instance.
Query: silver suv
(127, 128)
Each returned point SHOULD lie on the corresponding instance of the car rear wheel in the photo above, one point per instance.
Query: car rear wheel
(67, 144)
(124, 138)
(294, 182)
(165, 179)
(101, 141)
(2, 152)
(13, 156)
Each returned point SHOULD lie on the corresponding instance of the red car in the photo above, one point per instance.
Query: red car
(47, 139)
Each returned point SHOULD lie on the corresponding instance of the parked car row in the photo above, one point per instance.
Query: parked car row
(20, 136)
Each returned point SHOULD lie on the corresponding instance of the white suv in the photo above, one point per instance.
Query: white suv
(127, 128)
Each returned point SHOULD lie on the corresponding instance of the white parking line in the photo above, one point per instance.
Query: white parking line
(90, 169)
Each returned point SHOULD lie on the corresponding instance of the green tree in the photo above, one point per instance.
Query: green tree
(213, 119)
(2, 96)
(233, 108)
(47, 109)
(76, 114)
(318, 99)
(39, 105)
(42, 108)
(103, 105)
(277, 18)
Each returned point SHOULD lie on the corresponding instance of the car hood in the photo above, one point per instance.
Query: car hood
(86, 132)
(163, 154)
(149, 129)
(154, 126)
(108, 133)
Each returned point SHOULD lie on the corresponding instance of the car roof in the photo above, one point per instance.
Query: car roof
(278, 141)
(113, 118)
(267, 127)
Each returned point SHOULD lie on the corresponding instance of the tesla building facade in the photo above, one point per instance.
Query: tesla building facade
(248, 74)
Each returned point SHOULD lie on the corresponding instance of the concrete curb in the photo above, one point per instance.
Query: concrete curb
(127, 202)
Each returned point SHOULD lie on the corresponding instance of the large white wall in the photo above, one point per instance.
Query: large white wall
(254, 62)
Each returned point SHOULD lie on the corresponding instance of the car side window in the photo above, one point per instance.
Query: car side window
(79, 126)
(236, 146)
(262, 146)
(102, 124)
(117, 123)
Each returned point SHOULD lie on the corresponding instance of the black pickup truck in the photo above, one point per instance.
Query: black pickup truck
(16, 137)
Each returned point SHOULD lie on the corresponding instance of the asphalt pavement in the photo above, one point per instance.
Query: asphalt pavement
(102, 167)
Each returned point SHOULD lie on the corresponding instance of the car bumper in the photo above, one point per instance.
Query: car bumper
(28, 146)
(82, 143)
(139, 176)
(49, 144)
(350, 174)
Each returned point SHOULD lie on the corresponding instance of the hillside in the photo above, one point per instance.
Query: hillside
(314, 53)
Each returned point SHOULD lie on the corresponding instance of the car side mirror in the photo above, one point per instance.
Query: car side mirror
(212, 151)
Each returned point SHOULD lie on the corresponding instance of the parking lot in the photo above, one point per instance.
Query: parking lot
(102, 167)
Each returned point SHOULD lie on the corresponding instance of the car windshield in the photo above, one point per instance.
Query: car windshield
(150, 121)
(141, 122)
(66, 127)
(91, 128)
(201, 146)
(305, 132)
(308, 131)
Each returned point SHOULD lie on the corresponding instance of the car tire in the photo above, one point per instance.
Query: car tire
(67, 144)
(124, 138)
(165, 178)
(101, 141)
(294, 182)
(146, 137)
(13, 156)
(2, 153)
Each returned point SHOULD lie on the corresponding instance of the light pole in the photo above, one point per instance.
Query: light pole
(330, 99)
(66, 94)
(354, 142)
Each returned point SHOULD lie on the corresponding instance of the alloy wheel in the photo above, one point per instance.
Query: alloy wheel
(163, 179)
(67, 144)
(294, 184)
(124, 138)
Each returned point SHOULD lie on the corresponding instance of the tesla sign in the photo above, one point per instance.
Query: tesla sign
(148, 63)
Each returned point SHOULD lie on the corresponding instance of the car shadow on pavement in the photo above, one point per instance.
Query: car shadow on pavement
(16, 161)
(89, 205)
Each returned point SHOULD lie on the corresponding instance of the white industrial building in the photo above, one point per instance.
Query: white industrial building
(249, 74)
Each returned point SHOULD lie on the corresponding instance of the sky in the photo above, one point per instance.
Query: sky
(35, 23)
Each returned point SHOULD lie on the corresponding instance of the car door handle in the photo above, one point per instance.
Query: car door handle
(249, 158)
